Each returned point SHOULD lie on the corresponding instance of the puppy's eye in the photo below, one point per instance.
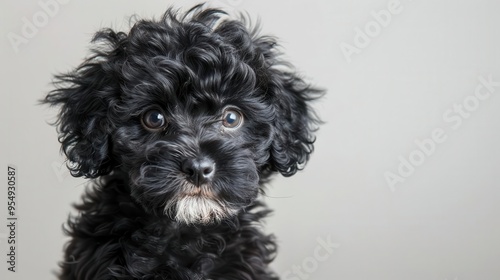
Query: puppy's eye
(154, 120)
(232, 118)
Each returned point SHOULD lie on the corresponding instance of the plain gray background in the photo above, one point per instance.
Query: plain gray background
(393, 102)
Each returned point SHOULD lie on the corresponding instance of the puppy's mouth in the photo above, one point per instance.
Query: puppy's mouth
(198, 205)
(203, 191)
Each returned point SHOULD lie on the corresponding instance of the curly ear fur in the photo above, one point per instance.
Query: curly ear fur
(295, 122)
(84, 96)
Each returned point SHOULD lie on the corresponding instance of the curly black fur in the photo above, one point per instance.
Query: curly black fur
(146, 217)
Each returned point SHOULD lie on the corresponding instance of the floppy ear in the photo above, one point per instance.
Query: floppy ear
(294, 122)
(84, 96)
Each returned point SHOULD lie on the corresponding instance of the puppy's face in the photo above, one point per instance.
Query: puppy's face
(195, 149)
(197, 110)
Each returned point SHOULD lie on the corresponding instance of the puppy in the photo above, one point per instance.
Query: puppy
(181, 122)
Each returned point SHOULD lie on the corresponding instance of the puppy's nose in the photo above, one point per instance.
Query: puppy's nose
(199, 171)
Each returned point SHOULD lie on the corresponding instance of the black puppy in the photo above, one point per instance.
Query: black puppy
(182, 120)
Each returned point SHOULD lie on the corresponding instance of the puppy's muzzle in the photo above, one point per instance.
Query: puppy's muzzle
(199, 171)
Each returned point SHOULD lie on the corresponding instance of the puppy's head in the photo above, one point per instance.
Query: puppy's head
(196, 109)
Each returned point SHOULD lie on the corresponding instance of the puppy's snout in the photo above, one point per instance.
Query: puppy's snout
(199, 170)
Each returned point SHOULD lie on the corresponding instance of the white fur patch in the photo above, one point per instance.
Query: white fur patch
(196, 205)
(198, 209)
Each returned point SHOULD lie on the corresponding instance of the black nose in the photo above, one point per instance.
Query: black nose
(199, 171)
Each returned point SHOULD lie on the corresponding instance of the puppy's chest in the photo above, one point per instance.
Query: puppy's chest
(154, 242)
(162, 237)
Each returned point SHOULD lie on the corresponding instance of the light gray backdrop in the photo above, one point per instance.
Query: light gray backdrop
(404, 181)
